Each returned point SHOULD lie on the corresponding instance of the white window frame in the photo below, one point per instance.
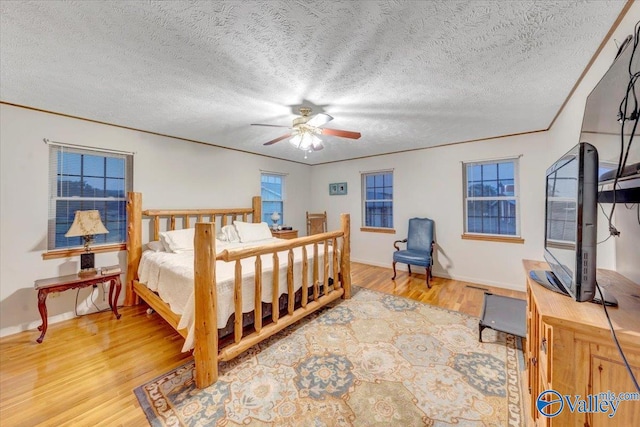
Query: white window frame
(515, 197)
(266, 216)
(54, 197)
(365, 200)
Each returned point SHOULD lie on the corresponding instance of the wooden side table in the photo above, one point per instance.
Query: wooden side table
(74, 281)
(285, 234)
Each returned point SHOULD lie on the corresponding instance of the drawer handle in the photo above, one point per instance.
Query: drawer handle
(534, 361)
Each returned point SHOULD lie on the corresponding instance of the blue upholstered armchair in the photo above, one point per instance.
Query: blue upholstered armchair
(420, 245)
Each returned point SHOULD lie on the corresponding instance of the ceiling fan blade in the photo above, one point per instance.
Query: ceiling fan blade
(273, 126)
(319, 120)
(341, 133)
(278, 139)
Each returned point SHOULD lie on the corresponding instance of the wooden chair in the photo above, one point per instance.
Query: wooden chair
(316, 223)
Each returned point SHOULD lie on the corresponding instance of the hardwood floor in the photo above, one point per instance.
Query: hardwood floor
(86, 369)
(464, 297)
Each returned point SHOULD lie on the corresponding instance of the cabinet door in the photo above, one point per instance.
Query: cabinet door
(609, 374)
(545, 340)
(533, 338)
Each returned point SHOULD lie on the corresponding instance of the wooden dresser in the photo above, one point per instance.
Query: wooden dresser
(570, 349)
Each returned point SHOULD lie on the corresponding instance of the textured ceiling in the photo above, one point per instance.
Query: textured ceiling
(405, 74)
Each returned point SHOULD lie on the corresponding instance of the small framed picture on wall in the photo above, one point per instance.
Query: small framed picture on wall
(338, 189)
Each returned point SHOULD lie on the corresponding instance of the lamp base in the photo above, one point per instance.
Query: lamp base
(87, 260)
(87, 264)
(86, 272)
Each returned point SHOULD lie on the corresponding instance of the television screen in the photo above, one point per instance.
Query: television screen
(571, 223)
(562, 187)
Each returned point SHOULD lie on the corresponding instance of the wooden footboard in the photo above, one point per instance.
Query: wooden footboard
(207, 353)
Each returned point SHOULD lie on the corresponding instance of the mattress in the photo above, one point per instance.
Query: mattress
(171, 276)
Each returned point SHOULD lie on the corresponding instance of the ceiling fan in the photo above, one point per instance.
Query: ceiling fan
(305, 128)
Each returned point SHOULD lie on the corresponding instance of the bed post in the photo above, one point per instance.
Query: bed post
(134, 244)
(345, 259)
(256, 204)
(205, 352)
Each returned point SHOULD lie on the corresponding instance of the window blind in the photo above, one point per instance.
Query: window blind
(83, 179)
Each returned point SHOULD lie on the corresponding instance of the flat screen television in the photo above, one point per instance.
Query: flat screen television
(571, 224)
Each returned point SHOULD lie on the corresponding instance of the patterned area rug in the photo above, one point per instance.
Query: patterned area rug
(375, 359)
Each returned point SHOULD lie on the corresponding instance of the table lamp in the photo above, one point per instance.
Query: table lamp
(87, 224)
(275, 217)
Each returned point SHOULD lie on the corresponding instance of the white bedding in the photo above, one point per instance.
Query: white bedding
(171, 276)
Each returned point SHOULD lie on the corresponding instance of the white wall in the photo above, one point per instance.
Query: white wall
(429, 183)
(170, 173)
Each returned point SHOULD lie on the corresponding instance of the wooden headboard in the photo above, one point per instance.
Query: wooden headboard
(172, 219)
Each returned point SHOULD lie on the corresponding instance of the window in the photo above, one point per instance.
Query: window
(377, 199)
(83, 179)
(272, 193)
(491, 198)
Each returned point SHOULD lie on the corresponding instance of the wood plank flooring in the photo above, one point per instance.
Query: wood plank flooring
(86, 369)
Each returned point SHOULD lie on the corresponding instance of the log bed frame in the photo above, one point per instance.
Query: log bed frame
(207, 350)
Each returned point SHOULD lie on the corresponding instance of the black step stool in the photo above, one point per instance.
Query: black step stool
(504, 314)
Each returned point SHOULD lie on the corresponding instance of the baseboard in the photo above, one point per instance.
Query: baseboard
(444, 275)
(33, 326)
(399, 267)
(476, 281)
(82, 310)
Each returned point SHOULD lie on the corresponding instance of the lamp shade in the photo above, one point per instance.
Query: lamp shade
(86, 223)
(275, 216)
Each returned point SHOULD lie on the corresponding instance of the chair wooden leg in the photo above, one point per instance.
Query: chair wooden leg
(409, 267)
(394, 271)
(428, 274)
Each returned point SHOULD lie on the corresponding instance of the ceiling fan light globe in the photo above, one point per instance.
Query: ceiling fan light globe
(296, 140)
(315, 141)
(306, 141)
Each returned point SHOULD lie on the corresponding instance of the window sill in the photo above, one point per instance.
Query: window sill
(66, 253)
(493, 238)
(378, 230)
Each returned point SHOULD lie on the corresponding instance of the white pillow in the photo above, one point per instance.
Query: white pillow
(178, 241)
(251, 232)
(155, 246)
(230, 233)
